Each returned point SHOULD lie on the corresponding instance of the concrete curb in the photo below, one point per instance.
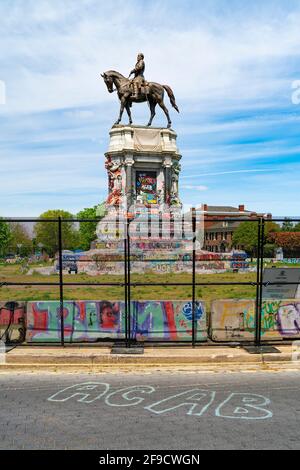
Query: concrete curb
(119, 359)
(97, 360)
(171, 368)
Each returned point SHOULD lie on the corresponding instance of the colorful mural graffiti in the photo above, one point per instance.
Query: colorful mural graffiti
(169, 320)
(83, 321)
(95, 320)
(234, 319)
(91, 321)
(146, 191)
(12, 322)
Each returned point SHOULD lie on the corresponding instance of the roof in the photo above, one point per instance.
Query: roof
(225, 209)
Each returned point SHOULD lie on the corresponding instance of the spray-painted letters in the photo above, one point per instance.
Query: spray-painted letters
(194, 402)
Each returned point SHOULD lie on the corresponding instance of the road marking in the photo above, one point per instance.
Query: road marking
(251, 403)
(192, 398)
(129, 390)
(83, 390)
(240, 405)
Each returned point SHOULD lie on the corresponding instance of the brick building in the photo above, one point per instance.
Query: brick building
(218, 233)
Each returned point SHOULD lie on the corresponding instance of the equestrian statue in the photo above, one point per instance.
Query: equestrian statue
(137, 90)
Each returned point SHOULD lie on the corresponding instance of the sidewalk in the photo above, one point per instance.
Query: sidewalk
(93, 359)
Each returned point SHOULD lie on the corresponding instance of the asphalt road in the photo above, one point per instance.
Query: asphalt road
(176, 411)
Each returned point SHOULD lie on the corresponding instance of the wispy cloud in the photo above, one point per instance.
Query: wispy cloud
(59, 48)
(230, 64)
(195, 188)
(232, 172)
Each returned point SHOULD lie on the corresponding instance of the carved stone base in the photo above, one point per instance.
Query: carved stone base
(143, 167)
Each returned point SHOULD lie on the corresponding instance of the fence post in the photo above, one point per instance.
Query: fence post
(128, 286)
(259, 280)
(257, 283)
(61, 289)
(125, 281)
(194, 277)
(262, 237)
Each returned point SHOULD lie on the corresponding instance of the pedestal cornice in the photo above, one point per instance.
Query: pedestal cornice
(142, 139)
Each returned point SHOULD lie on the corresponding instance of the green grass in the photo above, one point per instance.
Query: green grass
(10, 273)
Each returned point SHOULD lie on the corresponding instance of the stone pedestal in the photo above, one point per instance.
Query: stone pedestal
(143, 206)
(143, 167)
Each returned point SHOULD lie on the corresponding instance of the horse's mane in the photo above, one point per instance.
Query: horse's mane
(114, 72)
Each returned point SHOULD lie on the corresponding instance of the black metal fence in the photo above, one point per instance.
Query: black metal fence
(128, 285)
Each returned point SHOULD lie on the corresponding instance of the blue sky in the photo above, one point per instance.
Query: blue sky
(231, 66)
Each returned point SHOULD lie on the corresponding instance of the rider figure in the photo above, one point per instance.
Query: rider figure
(138, 72)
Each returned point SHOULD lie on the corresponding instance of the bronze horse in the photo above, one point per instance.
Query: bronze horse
(154, 95)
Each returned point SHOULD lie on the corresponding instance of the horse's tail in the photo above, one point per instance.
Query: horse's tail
(171, 96)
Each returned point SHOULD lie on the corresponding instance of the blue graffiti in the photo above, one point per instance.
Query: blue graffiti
(188, 311)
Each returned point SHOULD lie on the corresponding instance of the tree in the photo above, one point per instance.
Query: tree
(289, 241)
(5, 237)
(297, 227)
(287, 225)
(269, 250)
(87, 230)
(46, 233)
(20, 242)
(270, 228)
(246, 235)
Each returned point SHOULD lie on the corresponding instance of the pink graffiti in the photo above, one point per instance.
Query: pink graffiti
(289, 319)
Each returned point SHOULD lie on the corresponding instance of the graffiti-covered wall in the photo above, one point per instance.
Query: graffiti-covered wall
(91, 321)
(96, 320)
(169, 320)
(83, 321)
(12, 321)
(234, 320)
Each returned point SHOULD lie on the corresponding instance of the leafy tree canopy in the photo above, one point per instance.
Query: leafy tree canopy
(20, 242)
(246, 235)
(287, 225)
(5, 237)
(288, 240)
(297, 227)
(46, 233)
(87, 230)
